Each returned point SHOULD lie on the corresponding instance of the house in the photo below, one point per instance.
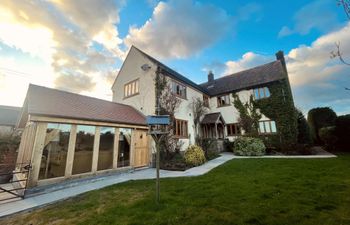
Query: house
(8, 119)
(135, 86)
(67, 136)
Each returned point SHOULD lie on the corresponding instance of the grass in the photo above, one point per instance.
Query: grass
(242, 191)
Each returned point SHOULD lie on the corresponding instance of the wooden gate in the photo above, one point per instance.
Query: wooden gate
(141, 148)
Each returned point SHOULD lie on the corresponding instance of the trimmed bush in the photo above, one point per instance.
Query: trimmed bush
(247, 146)
(342, 131)
(328, 137)
(318, 118)
(194, 156)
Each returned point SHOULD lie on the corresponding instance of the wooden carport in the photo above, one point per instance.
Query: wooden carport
(67, 136)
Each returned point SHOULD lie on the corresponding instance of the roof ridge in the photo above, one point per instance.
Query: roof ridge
(71, 93)
(233, 74)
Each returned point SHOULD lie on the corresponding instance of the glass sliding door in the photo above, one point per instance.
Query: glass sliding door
(84, 146)
(124, 147)
(54, 157)
(105, 153)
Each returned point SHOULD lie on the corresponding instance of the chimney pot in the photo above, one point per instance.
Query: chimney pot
(210, 76)
(280, 57)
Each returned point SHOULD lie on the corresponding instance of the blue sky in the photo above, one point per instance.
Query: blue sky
(72, 46)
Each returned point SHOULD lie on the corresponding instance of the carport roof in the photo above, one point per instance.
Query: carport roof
(45, 101)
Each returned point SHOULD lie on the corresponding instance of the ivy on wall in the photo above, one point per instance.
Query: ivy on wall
(280, 108)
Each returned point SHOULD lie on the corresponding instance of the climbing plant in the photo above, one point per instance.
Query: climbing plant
(280, 108)
(168, 103)
(249, 115)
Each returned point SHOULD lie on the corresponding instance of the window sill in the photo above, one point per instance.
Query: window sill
(181, 137)
(222, 106)
(131, 95)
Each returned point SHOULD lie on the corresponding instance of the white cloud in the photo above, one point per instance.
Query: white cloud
(77, 39)
(316, 15)
(248, 60)
(316, 79)
(179, 29)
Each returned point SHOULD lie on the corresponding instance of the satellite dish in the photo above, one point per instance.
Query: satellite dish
(145, 67)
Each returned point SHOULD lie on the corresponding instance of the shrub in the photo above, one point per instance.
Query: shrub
(228, 145)
(194, 156)
(342, 131)
(328, 137)
(247, 146)
(318, 118)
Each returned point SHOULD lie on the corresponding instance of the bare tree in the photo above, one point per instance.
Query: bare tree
(168, 103)
(337, 53)
(346, 5)
(199, 109)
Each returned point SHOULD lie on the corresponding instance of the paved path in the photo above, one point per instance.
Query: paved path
(50, 197)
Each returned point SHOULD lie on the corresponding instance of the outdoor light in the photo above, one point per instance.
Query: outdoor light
(145, 67)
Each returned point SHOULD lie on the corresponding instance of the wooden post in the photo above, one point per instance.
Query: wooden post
(157, 165)
(132, 148)
(37, 154)
(116, 148)
(96, 149)
(216, 130)
(70, 153)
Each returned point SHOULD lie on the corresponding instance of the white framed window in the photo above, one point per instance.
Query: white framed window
(262, 92)
(131, 88)
(267, 127)
(178, 89)
(223, 100)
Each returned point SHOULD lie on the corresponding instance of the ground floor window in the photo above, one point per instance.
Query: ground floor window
(181, 129)
(267, 127)
(233, 129)
(84, 146)
(105, 153)
(54, 157)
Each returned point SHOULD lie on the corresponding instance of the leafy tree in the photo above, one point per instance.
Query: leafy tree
(318, 118)
(249, 115)
(304, 135)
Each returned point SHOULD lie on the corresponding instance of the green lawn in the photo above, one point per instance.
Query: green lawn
(244, 191)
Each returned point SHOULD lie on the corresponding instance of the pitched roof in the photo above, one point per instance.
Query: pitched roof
(9, 115)
(55, 103)
(173, 74)
(212, 118)
(248, 78)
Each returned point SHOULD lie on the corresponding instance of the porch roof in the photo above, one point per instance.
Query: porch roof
(212, 118)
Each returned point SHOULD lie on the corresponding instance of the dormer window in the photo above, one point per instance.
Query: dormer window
(262, 92)
(178, 89)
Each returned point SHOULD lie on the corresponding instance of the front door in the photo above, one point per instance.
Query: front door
(141, 148)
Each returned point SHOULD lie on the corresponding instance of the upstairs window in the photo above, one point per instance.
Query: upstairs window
(131, 88)
(181, 130)
(206, 100)
(267, 127)
(223, 100)
(178, 89)
(260, 93)
(233, 129)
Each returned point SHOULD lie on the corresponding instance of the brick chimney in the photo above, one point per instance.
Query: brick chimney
(280, 57)
(210, 76)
